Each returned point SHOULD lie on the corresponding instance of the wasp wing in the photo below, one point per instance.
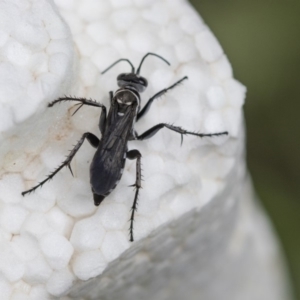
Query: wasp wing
(109, 160)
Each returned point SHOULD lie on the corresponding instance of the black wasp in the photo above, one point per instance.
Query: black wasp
(117, 128)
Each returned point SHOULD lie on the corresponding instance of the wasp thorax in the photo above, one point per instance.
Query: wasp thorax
(136, 81)
(126, 98)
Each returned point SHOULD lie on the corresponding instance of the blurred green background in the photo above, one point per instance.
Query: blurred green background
(262, 41)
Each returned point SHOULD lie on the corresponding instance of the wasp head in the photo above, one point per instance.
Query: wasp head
(136, 81)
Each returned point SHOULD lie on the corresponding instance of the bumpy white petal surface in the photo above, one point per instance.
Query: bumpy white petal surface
(197, 232)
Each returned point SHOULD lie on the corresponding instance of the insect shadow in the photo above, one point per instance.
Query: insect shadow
(117, 128)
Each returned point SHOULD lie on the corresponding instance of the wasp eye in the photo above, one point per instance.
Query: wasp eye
(121, 76)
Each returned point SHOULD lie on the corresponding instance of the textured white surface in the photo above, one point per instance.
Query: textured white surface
(197, 232)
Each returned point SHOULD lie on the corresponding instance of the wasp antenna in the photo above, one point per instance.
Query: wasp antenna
(153, 54)
(122, 59)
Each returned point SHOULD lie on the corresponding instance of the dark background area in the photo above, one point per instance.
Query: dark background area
(262, 42)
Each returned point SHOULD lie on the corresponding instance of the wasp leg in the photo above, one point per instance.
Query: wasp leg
(93, 140)
(153, 130)
(84, 101)
(135, 154)
(102, 120)
(111, 96)
(157, 95)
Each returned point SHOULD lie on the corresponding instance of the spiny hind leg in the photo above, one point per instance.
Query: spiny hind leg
(93, 140)
(135, 154)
